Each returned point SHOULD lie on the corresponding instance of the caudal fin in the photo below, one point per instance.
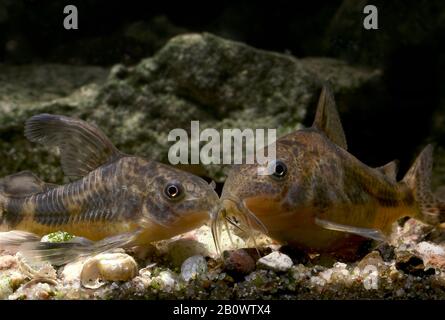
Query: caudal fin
(418, 179)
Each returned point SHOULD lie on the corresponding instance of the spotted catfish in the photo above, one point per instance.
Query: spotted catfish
(115, 199)
(318, 197)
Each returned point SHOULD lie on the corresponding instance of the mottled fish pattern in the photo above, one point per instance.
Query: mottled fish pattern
(111, 194)
(318, 197)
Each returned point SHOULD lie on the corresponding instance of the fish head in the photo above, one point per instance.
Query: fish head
(178, 201)
(263, 195)
(260, 187)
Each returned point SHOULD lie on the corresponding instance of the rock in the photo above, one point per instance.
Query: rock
(179, 250)
(70, 273)
(222, 83)
(142, 253)
(238, 262)
(371, 259)
(410, 263)
(204, 236)
(370, 276)
(7, 262)
(275, 261)
(37, 291)
(386, 251)
(412, 232)
(197, 242)
(107, 267)
(5, 288)
(192, 267)
(432, 255)
(29, 90)
(165, 281)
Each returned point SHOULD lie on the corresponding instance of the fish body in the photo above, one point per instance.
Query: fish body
(113, 193)
(319, 197)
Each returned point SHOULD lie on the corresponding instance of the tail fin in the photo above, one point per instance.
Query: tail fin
(418, 179)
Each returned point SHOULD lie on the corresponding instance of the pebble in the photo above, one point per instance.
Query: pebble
(432, 255)
(71, 271)
(276, 261)
(7, 262)
(371, 259)
(410, 263)
(370, 277)
(5, 288)
(178, 251)
(238, 262)
(193, 266)
(168, 280)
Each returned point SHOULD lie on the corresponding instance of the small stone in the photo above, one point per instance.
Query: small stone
(386, 251)
(142, 253)
(192, 267)
(276, 261)
(204, 235)
(71, 271)
(167, 280)
(178, 251)
(5, 288)
(36, 291)
(427, 248)
(238, 262)
(411, 264)
(432, 255)
(7, 262)
(373, 258)
(370, 277)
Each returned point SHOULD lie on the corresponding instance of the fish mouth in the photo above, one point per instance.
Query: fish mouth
(235, 212)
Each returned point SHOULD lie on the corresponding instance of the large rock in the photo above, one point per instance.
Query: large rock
(28, 90)
(222, 83)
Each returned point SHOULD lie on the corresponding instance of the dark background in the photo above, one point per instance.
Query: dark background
(408, 47)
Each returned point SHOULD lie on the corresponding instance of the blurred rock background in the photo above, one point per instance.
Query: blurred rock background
(126, 70)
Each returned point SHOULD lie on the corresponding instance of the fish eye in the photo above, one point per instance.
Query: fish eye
(173, 191)
(277, 169)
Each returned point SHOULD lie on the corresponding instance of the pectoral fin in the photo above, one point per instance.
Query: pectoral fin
(364, 232)
(59, 253)
(83, 147)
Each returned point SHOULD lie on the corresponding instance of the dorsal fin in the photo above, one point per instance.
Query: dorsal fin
(390, 169)
(83, 147)
(328, 120)
(24, 183)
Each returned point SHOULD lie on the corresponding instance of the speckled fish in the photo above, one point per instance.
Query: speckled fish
(115, 199)
(318, 197)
